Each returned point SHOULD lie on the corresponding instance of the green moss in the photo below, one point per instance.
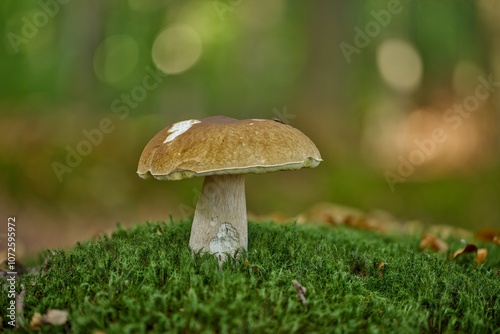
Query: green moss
(145, 280)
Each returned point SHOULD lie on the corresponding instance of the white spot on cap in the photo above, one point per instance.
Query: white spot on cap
(179, 128)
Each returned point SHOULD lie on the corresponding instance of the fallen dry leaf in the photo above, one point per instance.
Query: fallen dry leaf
(55, 317)
(481, 255)
(469, 248)
(379, 269)
(489, 234)
(446, 231)
(391, 225)
(52, 317)
(278, 217)
(330, 214)
(36, 321)
(362, 223)
(301, 291)
(433, 242)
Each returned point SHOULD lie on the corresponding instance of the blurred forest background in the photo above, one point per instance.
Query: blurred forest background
(390, 91)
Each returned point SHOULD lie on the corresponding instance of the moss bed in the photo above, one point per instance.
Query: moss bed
(145, 279)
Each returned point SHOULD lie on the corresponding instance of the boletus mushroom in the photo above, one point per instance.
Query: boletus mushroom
(223, 150)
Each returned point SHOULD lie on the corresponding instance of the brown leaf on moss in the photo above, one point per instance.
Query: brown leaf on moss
(55, 317)
(36, 321)
(380, 273)
(362, 223)
(52, 317)
(433, 242)
(469, 248)
(489, 234)
(481, 255)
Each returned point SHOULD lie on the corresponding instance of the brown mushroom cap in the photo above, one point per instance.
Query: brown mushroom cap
(222, 145)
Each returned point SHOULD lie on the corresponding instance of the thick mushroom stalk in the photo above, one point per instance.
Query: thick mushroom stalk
(220, 219)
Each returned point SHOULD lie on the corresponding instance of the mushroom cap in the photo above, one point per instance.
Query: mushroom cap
(223, 145)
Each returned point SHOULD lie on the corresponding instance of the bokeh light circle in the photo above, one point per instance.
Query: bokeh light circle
(399, 64)
(115, 58)
(176, 49)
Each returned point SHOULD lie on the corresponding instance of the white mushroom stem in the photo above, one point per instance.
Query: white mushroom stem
(220, 219)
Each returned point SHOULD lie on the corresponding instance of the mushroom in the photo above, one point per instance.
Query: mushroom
(223, 149)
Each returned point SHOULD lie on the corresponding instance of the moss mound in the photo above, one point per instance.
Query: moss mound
(145, 279)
